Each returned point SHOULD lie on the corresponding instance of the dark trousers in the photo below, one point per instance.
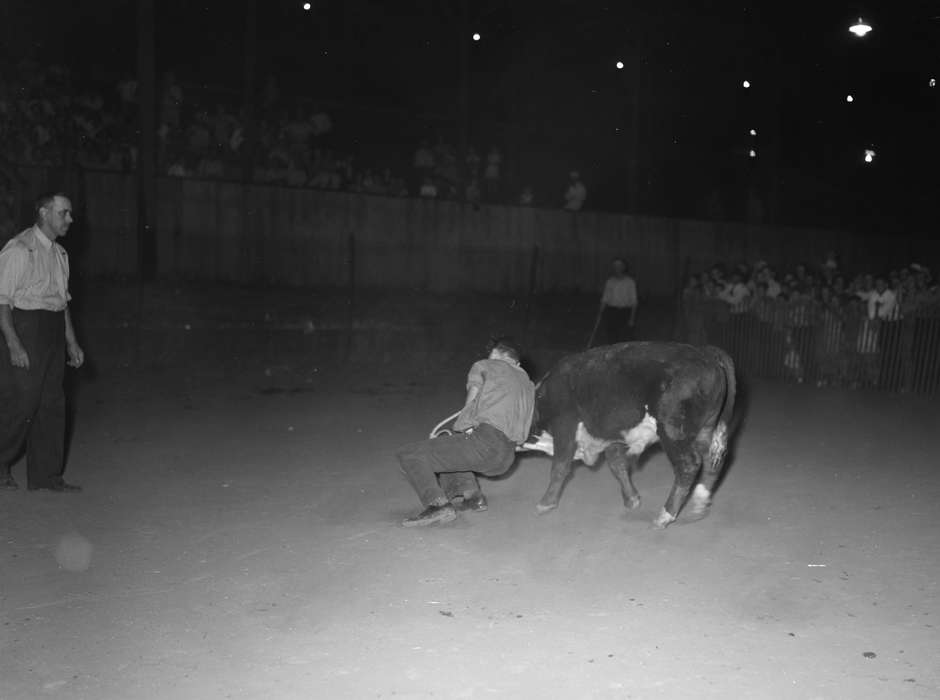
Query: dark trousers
(32, 401)
(617, 324)
(455, 458)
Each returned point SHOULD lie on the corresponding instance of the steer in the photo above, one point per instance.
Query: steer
(620, 399)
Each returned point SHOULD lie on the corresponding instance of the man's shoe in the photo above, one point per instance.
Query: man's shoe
(8, 483)
(431, 515)
(473, 504)
(59, 485)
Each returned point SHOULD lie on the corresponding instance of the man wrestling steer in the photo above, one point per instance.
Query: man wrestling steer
(495, 419)
(619, 399)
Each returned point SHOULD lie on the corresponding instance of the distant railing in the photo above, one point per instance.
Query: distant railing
(826, 345)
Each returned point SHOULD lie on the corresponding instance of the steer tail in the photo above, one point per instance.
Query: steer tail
(719, 444)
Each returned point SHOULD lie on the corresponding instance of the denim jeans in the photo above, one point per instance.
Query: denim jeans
(455, 458)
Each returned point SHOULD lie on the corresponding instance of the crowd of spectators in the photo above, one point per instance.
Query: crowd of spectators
(816, 323)
(435, 176)
(47, 119)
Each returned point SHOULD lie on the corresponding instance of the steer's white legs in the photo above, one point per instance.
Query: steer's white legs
(701, 499)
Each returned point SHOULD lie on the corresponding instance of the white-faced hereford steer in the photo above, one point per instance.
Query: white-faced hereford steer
(622, 398)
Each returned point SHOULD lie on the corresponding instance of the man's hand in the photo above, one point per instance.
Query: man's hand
(18, 356)
(76, 356)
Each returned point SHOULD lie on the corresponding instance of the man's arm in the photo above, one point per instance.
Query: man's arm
(605, 295)
(76, 354)
(472, 394)
(636, 303)
(18, 356)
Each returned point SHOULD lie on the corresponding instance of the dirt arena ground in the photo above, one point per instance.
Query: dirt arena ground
(238, 537)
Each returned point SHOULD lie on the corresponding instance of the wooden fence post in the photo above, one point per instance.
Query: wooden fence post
(530, 294)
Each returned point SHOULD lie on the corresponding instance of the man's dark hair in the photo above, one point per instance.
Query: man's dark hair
(505, 345)
(45, 200)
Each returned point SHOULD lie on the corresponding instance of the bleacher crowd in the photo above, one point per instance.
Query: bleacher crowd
(48, 119)
(819, 323)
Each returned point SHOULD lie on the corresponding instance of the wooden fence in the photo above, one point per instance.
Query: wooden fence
(835, 346)
(230, 232)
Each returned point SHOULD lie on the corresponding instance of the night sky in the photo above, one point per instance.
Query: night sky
(544, 86)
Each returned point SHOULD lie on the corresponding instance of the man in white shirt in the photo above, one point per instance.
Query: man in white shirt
(491, 175)
(424, 163)
(882, 302)
(736, 294)
(619, 304)
(576, 192)
(37, 328)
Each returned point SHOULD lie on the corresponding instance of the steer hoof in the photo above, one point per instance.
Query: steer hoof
(662, 520)
(543, 508)
(631, 503)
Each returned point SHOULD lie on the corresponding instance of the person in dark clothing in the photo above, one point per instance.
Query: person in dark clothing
(495, 419)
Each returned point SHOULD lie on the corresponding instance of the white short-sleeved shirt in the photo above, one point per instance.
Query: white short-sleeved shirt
(34, 273)
(620, 292)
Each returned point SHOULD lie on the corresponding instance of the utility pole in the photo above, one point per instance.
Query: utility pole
(146, 151)
(633, 163)
(250, 94)
(463, 97)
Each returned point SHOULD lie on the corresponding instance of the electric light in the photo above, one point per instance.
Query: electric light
(860, 28)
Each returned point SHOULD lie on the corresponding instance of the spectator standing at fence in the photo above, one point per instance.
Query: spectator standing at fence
(773, 286)
(736, 294)
(492, 174)
(423, 163)
(171, 101)
(473, 193)
(767, 335)
(35, 322)
(882, 302)
(428, 189)
(127, 92)
(473, 163)
(883, 307)
(693, 312)
(527, 198)
(829, 339)
(576, 192)
(619, 304)
(865, 332)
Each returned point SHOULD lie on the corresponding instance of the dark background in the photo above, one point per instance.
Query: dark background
(543, 85)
